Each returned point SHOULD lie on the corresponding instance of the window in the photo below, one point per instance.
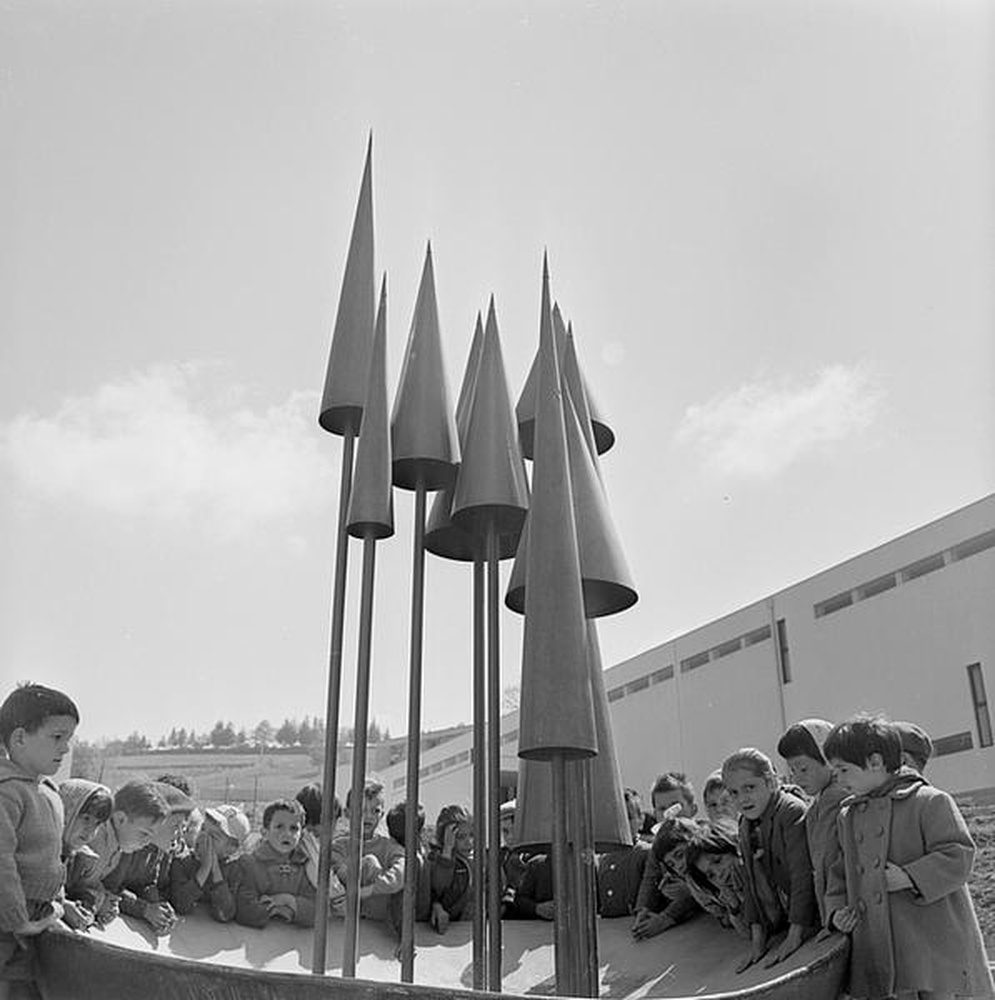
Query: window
(973, 546)
(639, 684)
(661, 675)
(921, 568)
(616, 693)
(726, 648)
(983, 720)
(693, 662)
(757, 635)
(782, 647)
(875, 587)
(837, 603)
(956, 743)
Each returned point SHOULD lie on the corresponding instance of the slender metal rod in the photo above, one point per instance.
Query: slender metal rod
(332, 706)
(588, 878)
(360, 729)
(479, 780)
(561, 881)
(493, 762)
(414, 740)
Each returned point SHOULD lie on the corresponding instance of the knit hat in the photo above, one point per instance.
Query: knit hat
(233, 822)
(818, 729)
(176, 801)
(915, 742)
(75, 793)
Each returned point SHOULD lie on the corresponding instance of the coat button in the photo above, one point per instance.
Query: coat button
(861, 906)
(611, 892)
(877, 862)
(877, 897)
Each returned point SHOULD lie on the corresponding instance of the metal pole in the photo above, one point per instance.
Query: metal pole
(587, 880)
(360, 728)
(414, 739)
(493, 763)
(562, 919)
(479, 781)
(332, 707)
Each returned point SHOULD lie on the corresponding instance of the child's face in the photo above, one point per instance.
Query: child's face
(662, 801)
(284, 831)
(860, 780)
(749, 792)
(81, 832)
(224, 846)
(634, 813)
(41, 752)
(507, 828)
(372, 811)
(809, 774)
(134, 832)
(464, 839)
(717, 868)
(169, 831)
(676, 860)
(718, 804)
(909, 761)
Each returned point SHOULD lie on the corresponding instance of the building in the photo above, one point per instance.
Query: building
(907, 628)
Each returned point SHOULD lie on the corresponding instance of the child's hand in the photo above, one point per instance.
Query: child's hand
(844, 919)
(160, 916)
(897, 878)
(791, 943)
(282, 899)
(440, 918)
(77, 916)
(109, 910)
(546, 910)
(449, 841)
(758, 945)
(649, 925)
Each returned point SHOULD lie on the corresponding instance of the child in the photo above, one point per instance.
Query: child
(192, 827)
(203, 874)
(449, 867)
(87, 806)
(423, 891)
(620, 872)
(310, 799)
(271, 882)
(663, 901)
(382, 858)
(140, 878)
(513, 860)
(719, 809)
(715, 876)
(899, 886)
(917, 747)
(778, 870)
(36, 726)
(801, 747)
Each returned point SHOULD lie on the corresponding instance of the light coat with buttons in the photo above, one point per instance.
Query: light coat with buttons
(926, 938)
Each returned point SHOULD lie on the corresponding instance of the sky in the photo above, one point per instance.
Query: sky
(771, 224)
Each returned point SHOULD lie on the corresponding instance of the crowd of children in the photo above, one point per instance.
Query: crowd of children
(856, 842)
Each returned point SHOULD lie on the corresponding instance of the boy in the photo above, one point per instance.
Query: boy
(801, 748)
(202, 874)
(664, 901)
(36, 726)
(271, 882)
(917, 747)
(382, 863)
(899, 885)
(620, 872)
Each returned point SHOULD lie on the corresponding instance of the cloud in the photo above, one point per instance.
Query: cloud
(760, 428)
(178, 442)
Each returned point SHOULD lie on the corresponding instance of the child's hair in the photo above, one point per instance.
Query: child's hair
(371, 789)
(749, 759)
(177, 781)
(396, 817)
(310, 799)
(804, 739)
(177, 801)
(856, 739)
(282, 805)
(708, 840)
(450, 816)
(674, 781)
(633, 803)
(673, 832)
(713, 783)
(29, 705)
(141, 800)
(99, 804)
(915, 742)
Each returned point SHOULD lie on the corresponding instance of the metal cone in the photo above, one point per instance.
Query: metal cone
(371, 507)
(525, 409)
(491, 487)
(349, 357)
(443, 537)
(423, 433)
(557, 714)
(605, 574)
(534, 815)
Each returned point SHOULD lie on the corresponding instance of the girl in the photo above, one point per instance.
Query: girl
(449, 867)
(87, 806)
(776, 863)
(715, 877)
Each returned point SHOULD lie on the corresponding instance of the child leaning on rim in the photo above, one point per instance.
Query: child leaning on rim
(899, 886)
(36, 726)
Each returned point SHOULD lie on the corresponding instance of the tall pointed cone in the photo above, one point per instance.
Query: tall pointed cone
(525, 408)
(491, 488)
(371, 507)
(578, 392)
(557, 714)
(443, 537)
(534, 814)
(604, 436)
(423, 433)
(349, 356)
(607, 582)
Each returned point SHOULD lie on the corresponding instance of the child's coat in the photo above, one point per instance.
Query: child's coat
(267, 872)
(904, 941)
